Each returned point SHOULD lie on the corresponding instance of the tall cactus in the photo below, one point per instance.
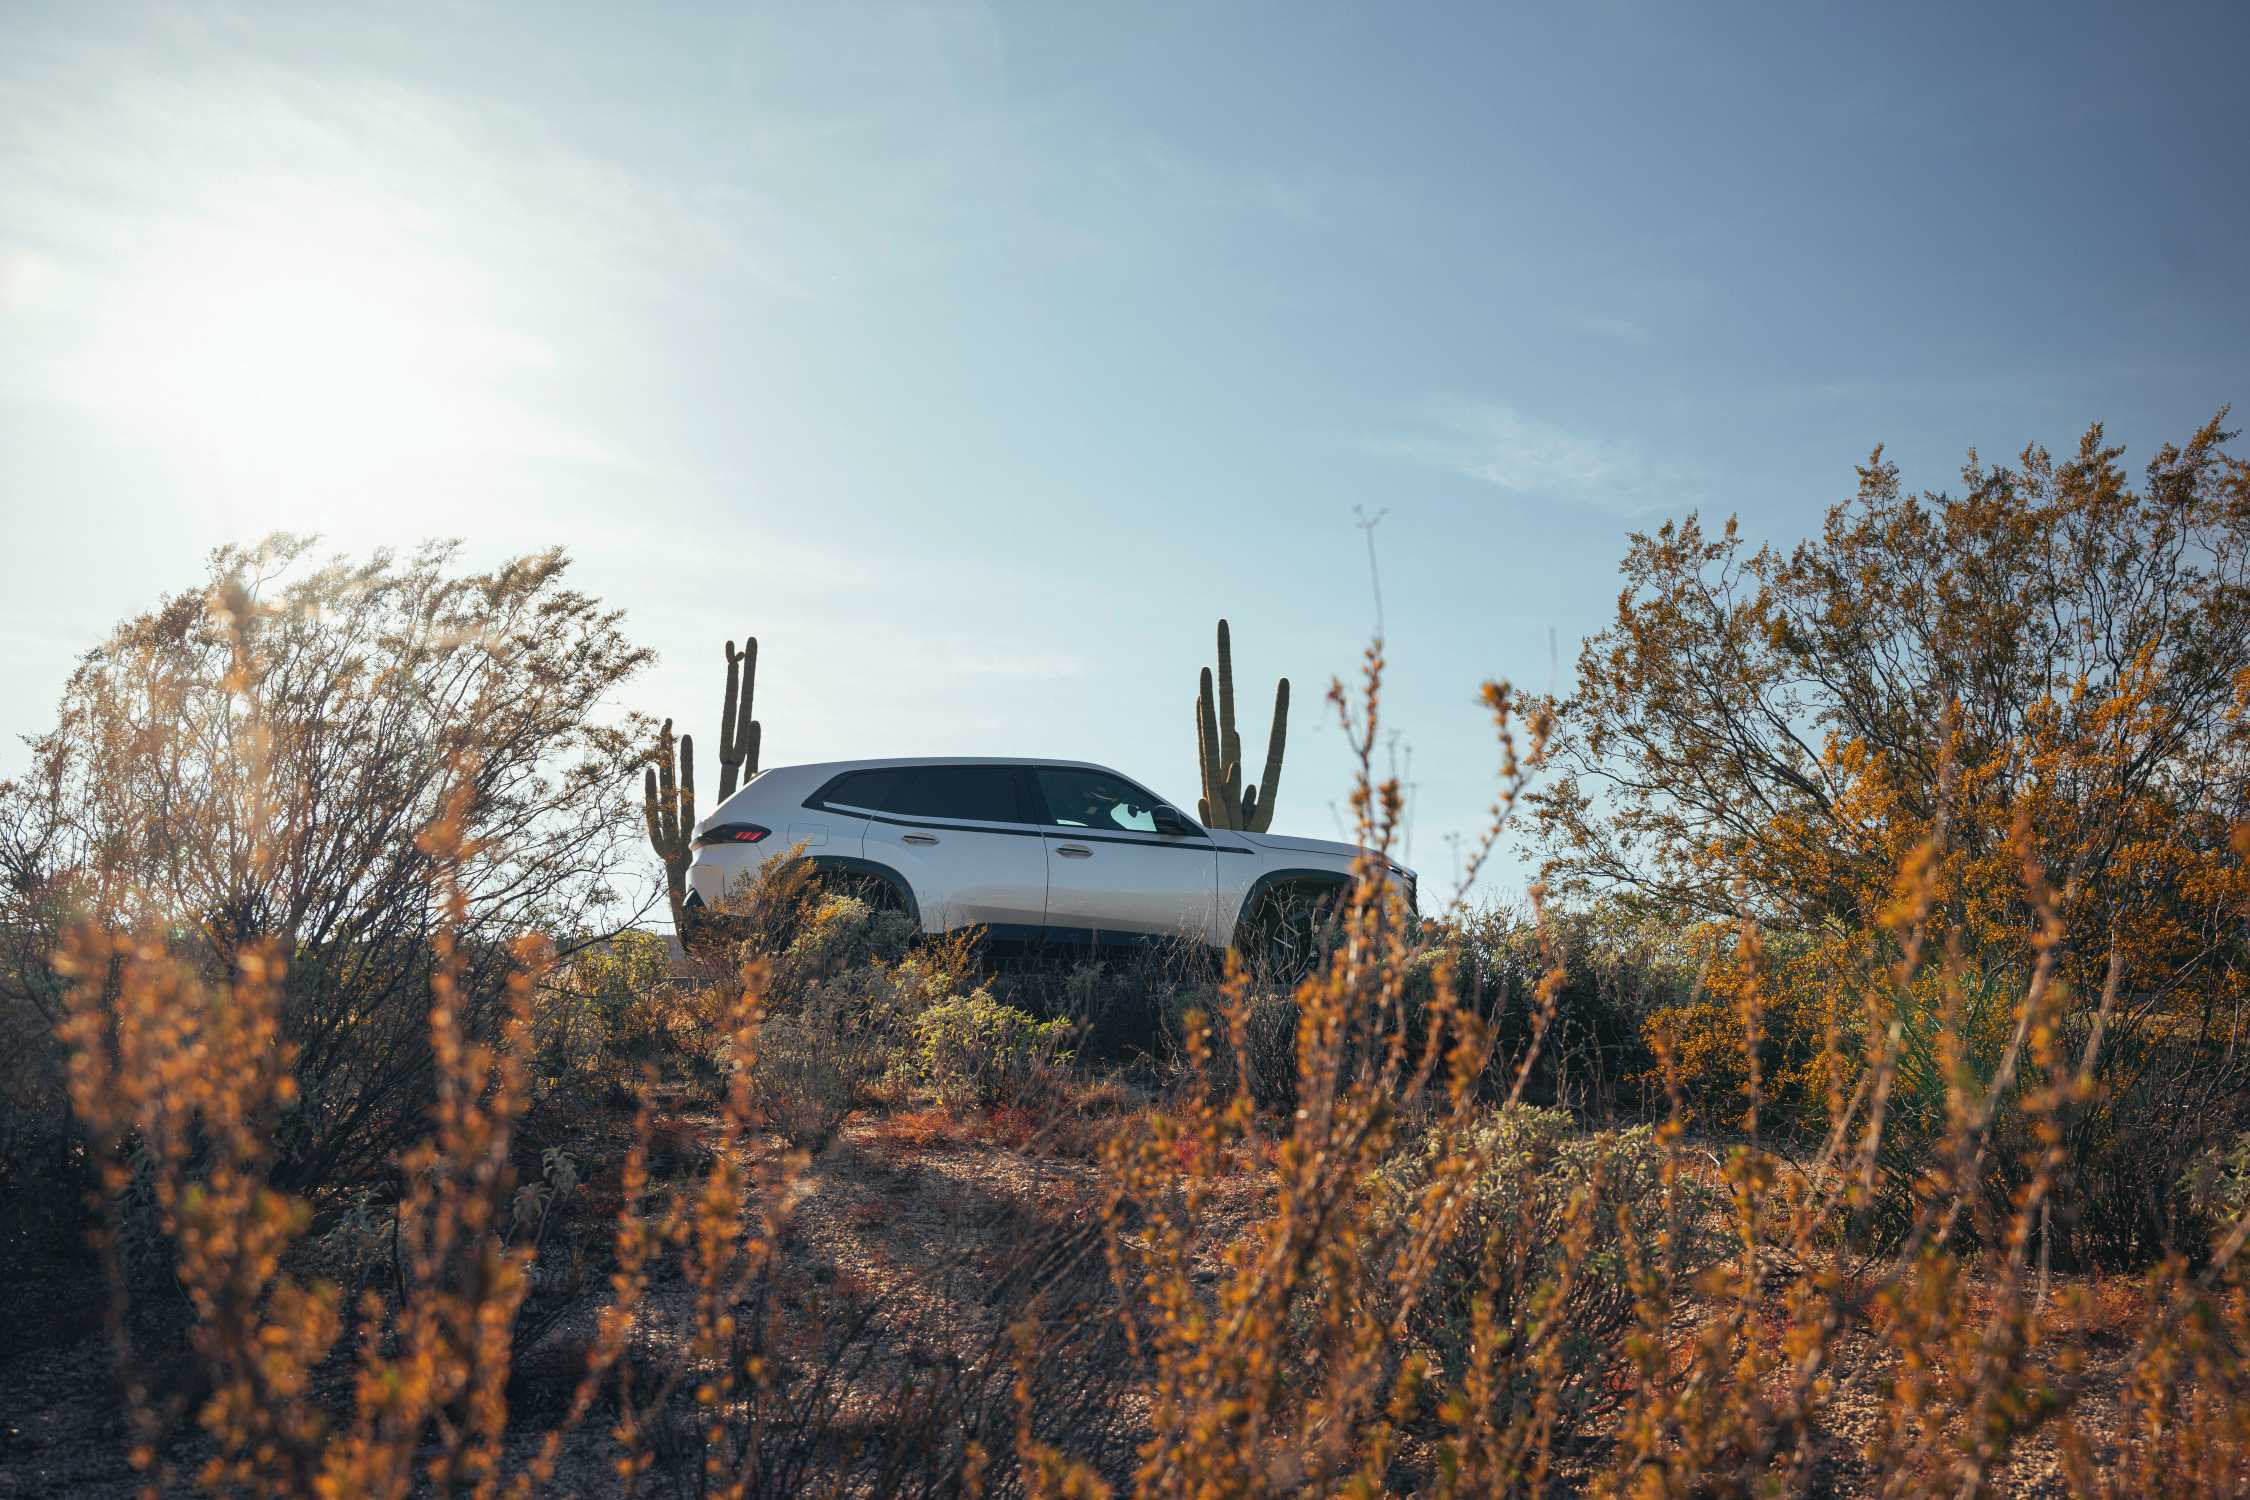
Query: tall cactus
(670, 804)
(1226, 803)
(738, 732)
(670, 808)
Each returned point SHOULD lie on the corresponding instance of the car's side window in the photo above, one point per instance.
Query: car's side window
(864, 789)
(985, 793)
(1092, 799)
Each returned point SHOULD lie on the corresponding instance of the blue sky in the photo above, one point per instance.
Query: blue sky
(978, 358)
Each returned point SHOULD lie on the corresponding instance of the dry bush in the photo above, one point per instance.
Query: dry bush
(606, 1013)
(1621, 969)
(251, 763)
(862, 1009)
(1548, 1200)
(1778, 732)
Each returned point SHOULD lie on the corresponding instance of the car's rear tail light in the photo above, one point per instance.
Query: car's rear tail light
(731, 833)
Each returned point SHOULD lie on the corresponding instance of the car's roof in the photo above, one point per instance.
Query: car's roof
(879, 763)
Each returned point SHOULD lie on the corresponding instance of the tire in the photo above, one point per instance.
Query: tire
(714, 935)
(1292, 931)
(879, 894)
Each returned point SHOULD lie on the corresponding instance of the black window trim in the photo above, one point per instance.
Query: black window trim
(1031, 800)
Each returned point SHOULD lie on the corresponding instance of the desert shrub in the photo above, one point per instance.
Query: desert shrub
(609, 1010)
(858, 1005)
(1122, 1007)
(1541, 1234)
(800, 1085)
(1256, 1053)
(1618, 969)
(838, 934)
(2161, 1104)
(2153, 1101)
(971, 1049)
(1776, 730)
(2218, 1182)
(842, 980)
(2041, 670)
(253, 761)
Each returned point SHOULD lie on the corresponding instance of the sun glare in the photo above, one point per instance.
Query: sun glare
(307, 357)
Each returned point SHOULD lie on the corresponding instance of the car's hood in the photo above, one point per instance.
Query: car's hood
(1333, 849)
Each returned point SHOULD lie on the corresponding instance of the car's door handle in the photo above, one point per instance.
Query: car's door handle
(919, 838)
(1074, 851)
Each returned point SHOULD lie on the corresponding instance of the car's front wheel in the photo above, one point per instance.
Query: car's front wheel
(1291, 930)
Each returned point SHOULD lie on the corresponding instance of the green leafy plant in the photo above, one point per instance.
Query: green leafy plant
(971, 1049)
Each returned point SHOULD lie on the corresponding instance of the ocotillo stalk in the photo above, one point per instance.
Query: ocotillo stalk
(670, 809)
(738, 732)
(1225, 802)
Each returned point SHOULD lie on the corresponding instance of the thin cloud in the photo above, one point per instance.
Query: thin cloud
(996, 659)
(1609, 326)
(1499, 444)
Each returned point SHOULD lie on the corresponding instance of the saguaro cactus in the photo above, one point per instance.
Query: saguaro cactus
(1226, 802)
(738, 732)
(670, 807)
(669, 800)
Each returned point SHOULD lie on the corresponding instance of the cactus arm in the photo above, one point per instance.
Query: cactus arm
(730, 758)
(1276, 743)
(744, 729)
(1226, 683)
(738, 731)
(667, 789)
(649, 810)
(1230, 741)
(1202, 756)
(683, 827)
(1207, 749)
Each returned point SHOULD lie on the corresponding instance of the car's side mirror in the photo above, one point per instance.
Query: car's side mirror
(1169, 822)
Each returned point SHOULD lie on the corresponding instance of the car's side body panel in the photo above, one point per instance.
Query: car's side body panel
(1105, 886)
(1239, 865)
(966, 874)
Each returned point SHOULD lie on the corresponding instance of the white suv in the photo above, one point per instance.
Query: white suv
(1039, 851)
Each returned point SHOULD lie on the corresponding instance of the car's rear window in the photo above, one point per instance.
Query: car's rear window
(863, 789)
(985, 793)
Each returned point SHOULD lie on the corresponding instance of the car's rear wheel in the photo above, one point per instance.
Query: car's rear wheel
(785, 901)
(879, 894)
